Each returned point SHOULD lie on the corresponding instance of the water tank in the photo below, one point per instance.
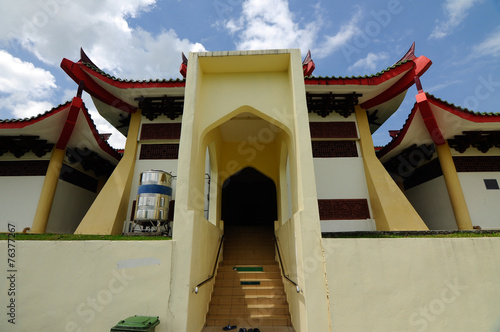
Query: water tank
(153, 197)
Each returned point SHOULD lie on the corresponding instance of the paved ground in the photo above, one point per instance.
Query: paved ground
(261, 328)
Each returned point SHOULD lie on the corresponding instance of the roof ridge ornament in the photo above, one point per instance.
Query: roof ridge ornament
(308, 65)
(183, 69)
(85, 58)
(409, 55)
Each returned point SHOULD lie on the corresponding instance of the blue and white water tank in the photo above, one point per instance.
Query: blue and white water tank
(153, 197)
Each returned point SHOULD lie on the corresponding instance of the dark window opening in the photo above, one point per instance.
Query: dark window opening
(491, 184)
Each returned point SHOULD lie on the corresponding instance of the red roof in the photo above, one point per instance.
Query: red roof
(23, 123)
(446, 106)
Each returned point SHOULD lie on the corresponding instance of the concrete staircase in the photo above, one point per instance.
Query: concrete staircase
(248, 289)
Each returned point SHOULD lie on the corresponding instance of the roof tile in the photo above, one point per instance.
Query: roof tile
(103, 73)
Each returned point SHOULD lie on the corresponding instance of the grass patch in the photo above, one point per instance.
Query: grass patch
(413, 234)
(80, 237)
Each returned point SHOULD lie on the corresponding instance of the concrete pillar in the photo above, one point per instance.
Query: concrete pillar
(391, 209)
(109, 210)
(48, 191)
(455, 192)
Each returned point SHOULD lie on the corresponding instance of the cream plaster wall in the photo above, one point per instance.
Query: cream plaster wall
(342, 178)
(432, 203)
(88, 285)
(19, 199)
(68, 208)
(288, 247)
(373, 284)
(414, 284)
(483, 204)
(356, 225)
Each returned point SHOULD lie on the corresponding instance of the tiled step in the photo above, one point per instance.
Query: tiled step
(223, 267)
(254, 320)
(249, 261)
(226, 283)
(251, 309)
(248, 289)
(249, 299)
(247, 276)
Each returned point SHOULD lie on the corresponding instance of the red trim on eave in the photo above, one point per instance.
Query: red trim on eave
(395, 142)
(421, 64)
(74, 70)
(69, 125)
(102, 143)
(131, 85)
(464, 114)
(25, 123)
(391, 73)
(429, 119)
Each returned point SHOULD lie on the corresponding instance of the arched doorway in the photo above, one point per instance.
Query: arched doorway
(249, 199)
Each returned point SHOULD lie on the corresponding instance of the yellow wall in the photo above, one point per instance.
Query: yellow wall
(84, 286)
(265, 160)
(269, 85)
(414, 284)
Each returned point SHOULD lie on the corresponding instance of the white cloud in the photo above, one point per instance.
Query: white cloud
(440, 86)
(337, 41)
(31, 108)
(18, 75)
(269, 24)
(53, 29)
(24, 88)
(456, 12)
(490, 46)
(369, 63)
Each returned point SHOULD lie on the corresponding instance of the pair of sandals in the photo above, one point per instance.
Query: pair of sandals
(233, 327)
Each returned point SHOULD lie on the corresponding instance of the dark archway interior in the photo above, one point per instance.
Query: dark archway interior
(249, 199)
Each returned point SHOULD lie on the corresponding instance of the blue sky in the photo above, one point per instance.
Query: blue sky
(140, 39)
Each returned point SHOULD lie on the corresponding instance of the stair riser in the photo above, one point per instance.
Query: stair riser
(223, 300)
(228, 283)
(240, 321)
(235, 275)
(239, 292)
(248, 312)
(265, 268)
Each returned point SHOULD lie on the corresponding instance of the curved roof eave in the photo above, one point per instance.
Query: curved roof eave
(118, 94)
(382, 92)
(14, 125)
(463, 113)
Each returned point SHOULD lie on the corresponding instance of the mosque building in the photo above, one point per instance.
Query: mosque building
(259, 160)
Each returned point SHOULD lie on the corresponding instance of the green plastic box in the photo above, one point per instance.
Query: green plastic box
(137, 323)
